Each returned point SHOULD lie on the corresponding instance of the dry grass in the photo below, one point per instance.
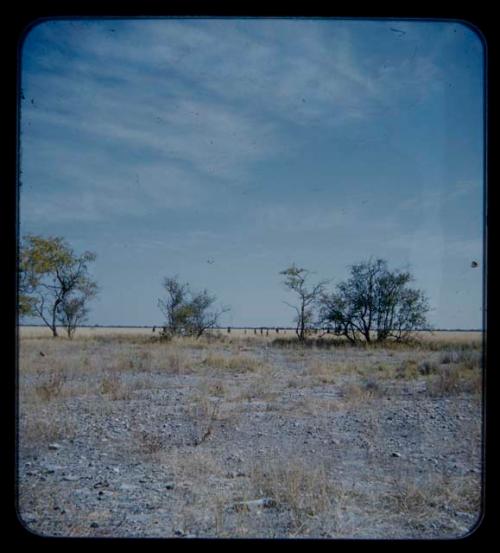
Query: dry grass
(233, 363)
(455, 380)
(212, 387)
(312, 406)
(132, 361)
(39, 426)
(361, 391)
(113, 387)
(420, 502)
(322, 372)
(175, 361)
(262, 387)
(224, 380)
(302, 489)
(50, 386)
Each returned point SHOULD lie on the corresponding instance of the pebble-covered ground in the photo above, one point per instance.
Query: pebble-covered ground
(122, 436)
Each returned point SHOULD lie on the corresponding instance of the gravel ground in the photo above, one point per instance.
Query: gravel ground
(123, 438)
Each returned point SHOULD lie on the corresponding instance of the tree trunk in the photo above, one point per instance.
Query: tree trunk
(53, 325)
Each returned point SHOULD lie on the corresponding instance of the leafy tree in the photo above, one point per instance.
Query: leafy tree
(296, 280)
(374, 303)
(73, 310)
(54, 283)
(187, 313)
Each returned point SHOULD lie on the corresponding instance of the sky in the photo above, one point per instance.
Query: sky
(222, 151)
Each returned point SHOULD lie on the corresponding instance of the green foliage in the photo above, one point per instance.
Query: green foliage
(53, 282)
(375, 302)
(187, 313)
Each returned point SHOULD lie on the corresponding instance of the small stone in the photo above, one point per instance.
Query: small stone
(71, 478)
(55, 446)
(127, 487)
(101, 484)
(50, 469)
(169, 485)
(29, 517)
(395, 454)
(247, 505)
(94, 525)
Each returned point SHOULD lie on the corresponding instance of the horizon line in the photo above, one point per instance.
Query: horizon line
(234, 327)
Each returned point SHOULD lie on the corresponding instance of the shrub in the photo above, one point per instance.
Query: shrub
(302, 489)
(427, 367)
(452, 381)
(111, 385)
(52, 387)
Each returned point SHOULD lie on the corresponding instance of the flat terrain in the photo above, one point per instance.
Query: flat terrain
(240, 435)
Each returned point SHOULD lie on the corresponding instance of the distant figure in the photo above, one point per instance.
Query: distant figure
(474, 264)
(154, 329)
(277, 330)
(267, 332)
(229, 330)
(255, 331)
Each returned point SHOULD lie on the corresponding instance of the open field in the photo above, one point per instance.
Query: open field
(242, 435)
(451, 336)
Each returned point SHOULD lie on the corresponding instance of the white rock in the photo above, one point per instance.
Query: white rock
(252, 503)
(128, 487)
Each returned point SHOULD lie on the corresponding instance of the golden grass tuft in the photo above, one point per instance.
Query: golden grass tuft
(303, 489)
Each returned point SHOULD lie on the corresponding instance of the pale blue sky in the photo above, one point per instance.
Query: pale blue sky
(223, 150)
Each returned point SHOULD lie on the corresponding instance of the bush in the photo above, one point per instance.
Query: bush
(427, 367)
(52, 387)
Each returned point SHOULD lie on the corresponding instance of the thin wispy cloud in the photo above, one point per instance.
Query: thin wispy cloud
(253, 140)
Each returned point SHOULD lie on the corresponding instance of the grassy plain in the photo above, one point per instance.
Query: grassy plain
(244, 435)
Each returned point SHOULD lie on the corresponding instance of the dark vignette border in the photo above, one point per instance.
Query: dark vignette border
(21, 18)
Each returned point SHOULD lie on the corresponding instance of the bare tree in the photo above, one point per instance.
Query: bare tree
(296, 280)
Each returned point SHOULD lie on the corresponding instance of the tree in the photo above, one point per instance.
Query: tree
(73, 310)
(296, 280)
(54, 283)
(374, 303)
(188, 313)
